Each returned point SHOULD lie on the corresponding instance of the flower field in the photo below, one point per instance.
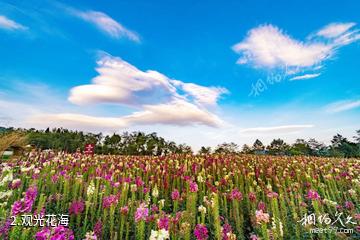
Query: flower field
(178, 197)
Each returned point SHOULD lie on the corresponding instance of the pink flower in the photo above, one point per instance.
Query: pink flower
(272, 195)
(261, 217)
(225, 230)
(25, 205)
(76, 207)
(141, 213)
(252, 197)
(109, 201)
(163, 223)
(124, 210)
(15, 184)
(313, 195)
(201, 232)
(98, 229)
(58, 233)
(261, 206)
(175, 195)
(193, 187)
(236, 195)
(349, 205)
(43, 234)
(254, 237)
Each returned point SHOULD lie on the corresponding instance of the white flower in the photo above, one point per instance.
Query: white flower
(90, 189)
(8, 178)
(162, 202)
(6, 194)
(90, 236)
(200, 179)
(155, 192)
(159, 235)
(202, 209)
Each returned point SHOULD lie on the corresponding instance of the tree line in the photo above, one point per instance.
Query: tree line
(139, 143)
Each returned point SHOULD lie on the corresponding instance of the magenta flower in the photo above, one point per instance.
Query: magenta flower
(175, 195)
(225, 230)
(98, 229)
(141, 213)
(193, 187)
(201, 232)
(109, 201)
(76, 207)
(43, 234)
(236, 195)
(25, 205)
(58, 233)
(313, 195)
(163, 223)
(61, 232)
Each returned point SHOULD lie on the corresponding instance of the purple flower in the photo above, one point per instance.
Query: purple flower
(193, 187)
(201, 232)
(4, 229)
(98, 229)
(313, 195)
(43, 234)
(17, 207)
(225, 230)
(163, 223)
(349, 205)
(141, 213)
(236, 195)
(31, 193)
(175, 195)
(58, 233)
(109, 201)
(261, 206)
(76, 207)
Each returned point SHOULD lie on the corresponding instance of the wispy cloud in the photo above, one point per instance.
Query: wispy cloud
(305, 76)
(105, 23)
(159, 99)
(334, 30)
(342, 106)
(269, 47)
(276, 129)
(8, 24)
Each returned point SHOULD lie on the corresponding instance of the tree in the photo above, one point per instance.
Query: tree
(317, 148)
(227, 148)
(258, 146)
(300, 147)
(204, 150)
(278, 147)
(357, 137)
(341, 147)
(246, 149)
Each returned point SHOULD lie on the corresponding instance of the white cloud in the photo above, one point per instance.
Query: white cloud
(269, 47)
(177, 112)
(122, 83)
(203, 95)
(159, 99)
(105, 23)
(276, 129)
(341, 106)
(9, 24)
(305, 76)
(335, 29)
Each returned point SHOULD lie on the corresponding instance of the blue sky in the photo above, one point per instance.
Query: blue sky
(201, 73)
